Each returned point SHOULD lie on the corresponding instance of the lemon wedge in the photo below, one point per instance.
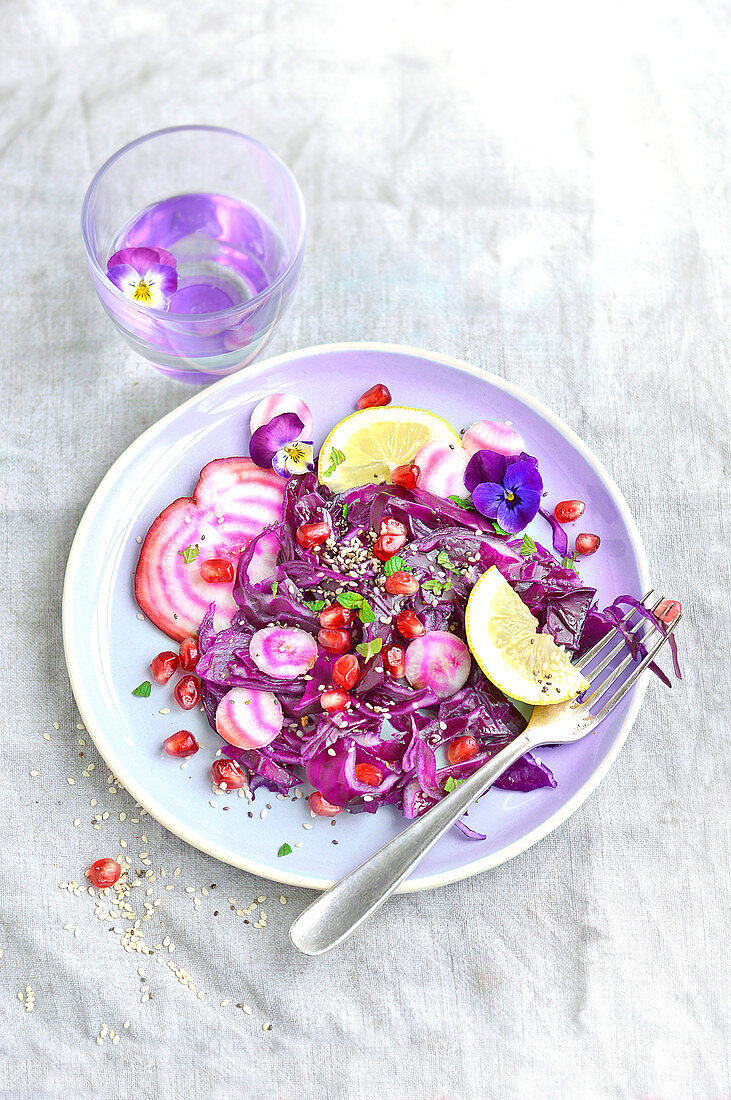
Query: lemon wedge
(366, 448)
(503, 637)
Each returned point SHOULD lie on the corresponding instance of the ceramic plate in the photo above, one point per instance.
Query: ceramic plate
(108, 647)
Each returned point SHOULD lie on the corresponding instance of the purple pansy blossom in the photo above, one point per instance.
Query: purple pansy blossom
(277, 446)
(144, 275)
(505, 488)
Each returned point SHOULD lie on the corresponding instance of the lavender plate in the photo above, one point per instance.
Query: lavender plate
(108, 647)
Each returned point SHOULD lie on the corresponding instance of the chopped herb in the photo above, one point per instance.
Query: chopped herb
(285, 850)
(569, 562)
(351, 600)
(394, 565)
(370, 649)
(499, 530)
(315, 605)
(336, 457)
(528, 547)
(444, 559)
(143, 690)
(365, 612)
(346, 508)
(275, 587)
(462, 502)
(452, 783)
(189, 554)
(435, 586)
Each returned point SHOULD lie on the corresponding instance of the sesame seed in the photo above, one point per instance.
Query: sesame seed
(70, 781)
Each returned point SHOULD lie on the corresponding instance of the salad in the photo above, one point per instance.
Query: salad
(365, 620)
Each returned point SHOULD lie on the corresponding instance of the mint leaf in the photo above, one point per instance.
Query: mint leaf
(499, 531)
(143, 690)
(346, 508)
(462, 502)
(370, 649)
(569, 562)
(189, 554)
(436, 586)
(285, 850)
(336, 457)
(275, 587)
(444, 559)
(528, 547)
(394, 565)
(351, 600)
(452, 783)
(365, 612)
(315, 605)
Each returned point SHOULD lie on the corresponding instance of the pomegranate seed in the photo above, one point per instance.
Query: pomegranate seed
(182, 743)
(312, 534)
(189, 654)
(392, 526)
(393, 661)
(386, 546)
(462, 748)
(164, 666)
(402, 584)
(187, 692)
(104, 872)
(335, 641)
(321, 806)
(566, 511)
(346, 671)
(667, 611)
(368, 773)
(334, 699)
(375, 397)
(409, 624)
(407, 476)
(217, 571)
(335, 615)
(228, 774)
(587, 544)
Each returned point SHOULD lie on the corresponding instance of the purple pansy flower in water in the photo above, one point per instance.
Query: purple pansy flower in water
(506, 488)
(277, 446)
(144, 275)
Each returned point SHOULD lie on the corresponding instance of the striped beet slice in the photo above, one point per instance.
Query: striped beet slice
(249, 718)
(233, 501)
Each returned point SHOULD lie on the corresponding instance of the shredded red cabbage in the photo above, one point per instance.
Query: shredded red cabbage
(326, 748)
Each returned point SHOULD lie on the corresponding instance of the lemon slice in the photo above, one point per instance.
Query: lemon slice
(366, 447)
(503, 636)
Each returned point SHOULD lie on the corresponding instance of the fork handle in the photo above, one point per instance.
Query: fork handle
(340, 910)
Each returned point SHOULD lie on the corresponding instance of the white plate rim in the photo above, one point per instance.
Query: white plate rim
(196, 839)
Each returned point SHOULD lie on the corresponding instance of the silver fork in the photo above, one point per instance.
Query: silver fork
(346, 905)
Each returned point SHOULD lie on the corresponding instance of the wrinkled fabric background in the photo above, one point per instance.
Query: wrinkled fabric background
(541, 190)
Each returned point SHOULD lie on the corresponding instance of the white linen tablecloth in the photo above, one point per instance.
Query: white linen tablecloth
(540, 189)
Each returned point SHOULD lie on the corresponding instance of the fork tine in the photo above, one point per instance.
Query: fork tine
(631, 680)
(592, 676)
(586, 657)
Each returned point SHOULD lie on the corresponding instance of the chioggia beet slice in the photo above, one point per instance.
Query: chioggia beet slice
(491, 435)
(248, 718)
(233, 501)
(283, 652)
(438, 660)
(278, 403)
(442, 469)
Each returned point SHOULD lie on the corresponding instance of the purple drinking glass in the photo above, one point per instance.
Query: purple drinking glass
(231, 215)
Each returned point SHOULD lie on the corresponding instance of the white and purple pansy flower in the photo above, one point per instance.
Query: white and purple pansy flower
(277, 446)
(144, 275)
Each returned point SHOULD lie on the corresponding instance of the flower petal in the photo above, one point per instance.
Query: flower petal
(141, 259)
(521, 476)
(519, 512)
(302, 460)
(279, 432)
(487, 498)
(280, 465)
(162, 279)
(125, 277)
(484, 466)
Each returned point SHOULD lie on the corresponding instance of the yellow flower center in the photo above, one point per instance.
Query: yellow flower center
(510, 496)
(294, 452)
(142, 292)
